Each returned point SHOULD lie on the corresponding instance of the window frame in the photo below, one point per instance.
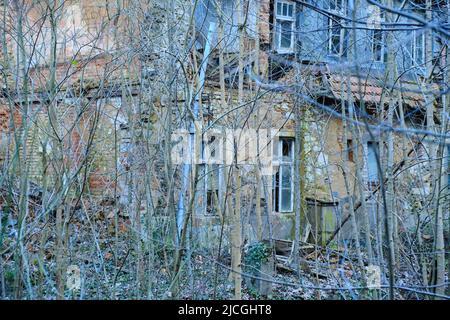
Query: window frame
(413, 48)
(284, 162)
(279, 18)
(372, 180)
(339, 10)
(212, 185)
(382, 45)
(377, 28)
(350, 150)
(415, 35)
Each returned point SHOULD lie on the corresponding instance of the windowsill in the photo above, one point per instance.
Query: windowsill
(284, 51)
(287, 212)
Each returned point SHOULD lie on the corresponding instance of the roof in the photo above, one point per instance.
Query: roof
(374, 90)
(368, 88)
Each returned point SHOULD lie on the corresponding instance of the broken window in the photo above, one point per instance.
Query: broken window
(283, 183)
(213, 188)
(336, 33)
(212, 197)
(378, 46)
(376, 34)
(350, 150)
(372, 167)
(211, 147)
(284, 25)
(416, 37)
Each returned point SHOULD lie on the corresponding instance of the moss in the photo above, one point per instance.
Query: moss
(290, 218)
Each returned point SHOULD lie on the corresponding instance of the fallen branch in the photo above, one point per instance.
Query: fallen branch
(357, 205)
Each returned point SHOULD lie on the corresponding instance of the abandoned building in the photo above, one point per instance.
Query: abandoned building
(292, 53)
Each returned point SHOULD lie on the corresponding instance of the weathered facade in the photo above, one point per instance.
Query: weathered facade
(92, 101)
(305, 50)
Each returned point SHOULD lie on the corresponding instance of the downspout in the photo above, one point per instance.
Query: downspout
(181, 212)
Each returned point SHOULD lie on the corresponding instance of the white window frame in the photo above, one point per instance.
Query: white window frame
(284, 18)
(283, 162)
(377, 27)
(375, 178)
(333, 20)
(416, 34)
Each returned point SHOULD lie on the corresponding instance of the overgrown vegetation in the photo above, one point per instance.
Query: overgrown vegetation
(224, 149)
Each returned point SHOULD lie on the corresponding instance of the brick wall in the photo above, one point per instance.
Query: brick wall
(88, 67)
